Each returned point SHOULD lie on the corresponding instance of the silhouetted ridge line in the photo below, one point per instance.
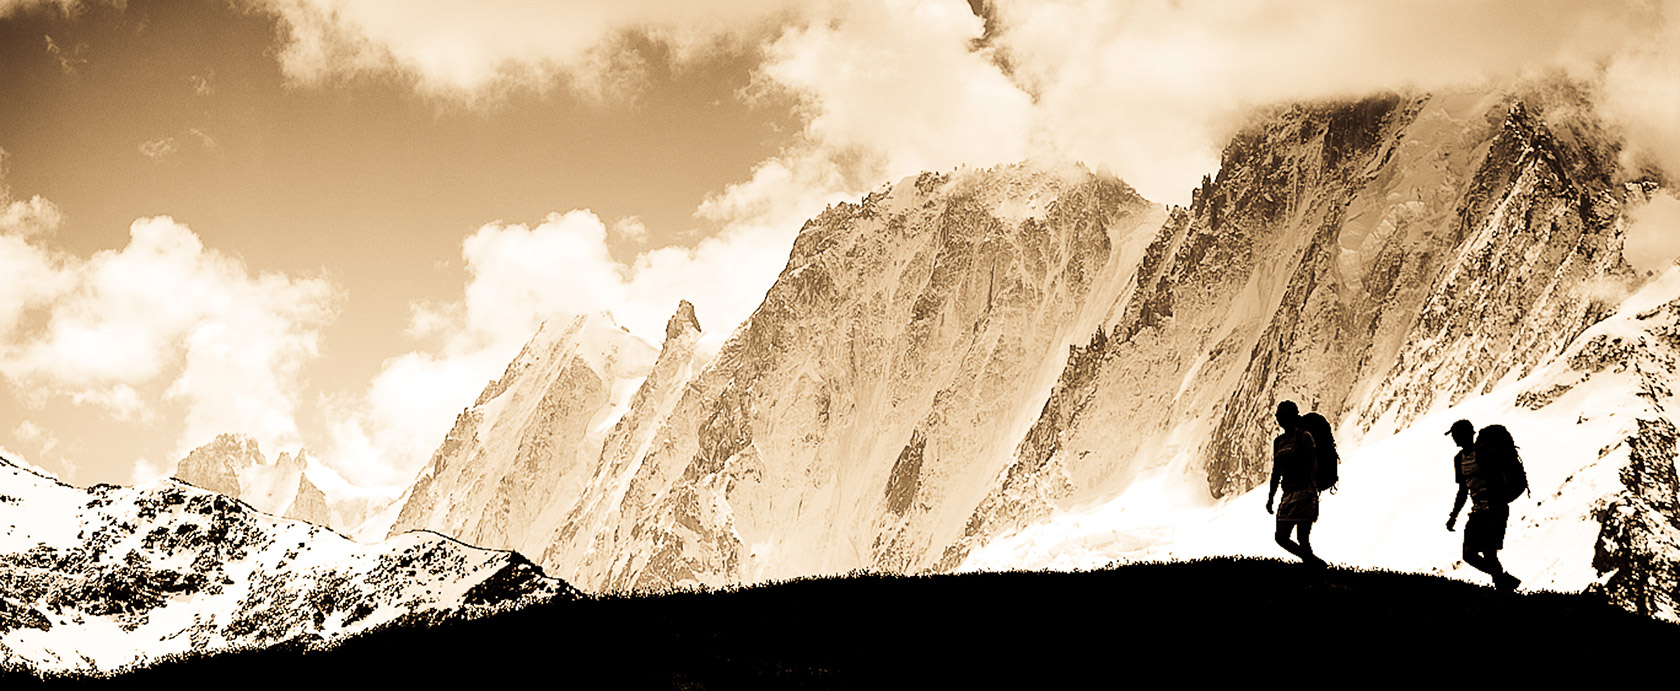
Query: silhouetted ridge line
(1211, 618)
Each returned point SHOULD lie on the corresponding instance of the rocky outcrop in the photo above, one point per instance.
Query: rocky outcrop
(216, 466)
(310, 504)
(1638, 548)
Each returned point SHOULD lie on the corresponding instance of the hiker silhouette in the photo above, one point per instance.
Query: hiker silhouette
(1294, 465)
(1480, 469)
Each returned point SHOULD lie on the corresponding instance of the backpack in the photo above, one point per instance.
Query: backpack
(1496, 453)
(1324, 443)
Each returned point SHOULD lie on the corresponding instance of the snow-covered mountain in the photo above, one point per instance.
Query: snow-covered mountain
(1373, 261)
(1596, 427)
(982, 368)
(527, 445)
(96, 579)
(855, 419)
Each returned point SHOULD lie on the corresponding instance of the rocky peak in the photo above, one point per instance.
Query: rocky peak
(289, 461)
(310, 504)
(682, 322)
(215, 466)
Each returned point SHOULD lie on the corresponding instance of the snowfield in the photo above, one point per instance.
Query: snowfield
(1390, 507)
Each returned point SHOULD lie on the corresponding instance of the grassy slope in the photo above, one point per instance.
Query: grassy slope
(1240, 620)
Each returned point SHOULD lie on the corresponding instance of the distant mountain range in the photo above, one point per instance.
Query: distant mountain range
(99, 579)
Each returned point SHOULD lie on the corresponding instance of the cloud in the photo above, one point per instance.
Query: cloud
(29, 432)
(1653, 233)
(46, 446)
(10, 7)
(630, 229)
(20, 460)
(228, 342)
(204, 138)
(1148, 89)
(893, 87)
(468, 49)
(24, 218)
(1152, 89)
(121, 400)
(1641, 94)
(69, 61)
(521, 275)
(158, 149)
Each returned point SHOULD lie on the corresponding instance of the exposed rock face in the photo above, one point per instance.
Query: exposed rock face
(585, 541)
(1372, 261)
(531, 439)
(861, 411)
(216, 465)
(1638, 548)
(310, 504)
(231, 464)
(1636, 497)
(94, 580)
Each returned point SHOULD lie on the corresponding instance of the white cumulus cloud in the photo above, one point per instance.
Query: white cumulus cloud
(228, 342)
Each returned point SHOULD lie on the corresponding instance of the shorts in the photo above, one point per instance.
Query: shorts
(1484, 531)
(1298, 507)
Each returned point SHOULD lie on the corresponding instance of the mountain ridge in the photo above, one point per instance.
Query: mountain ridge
(107, 577)
(1061, 628)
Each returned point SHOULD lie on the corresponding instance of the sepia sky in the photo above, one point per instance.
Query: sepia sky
(327, 223)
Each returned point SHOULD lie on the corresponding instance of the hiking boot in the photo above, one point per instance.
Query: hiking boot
(1506, 583)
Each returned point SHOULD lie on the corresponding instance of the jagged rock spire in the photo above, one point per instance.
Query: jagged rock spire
(682, 321)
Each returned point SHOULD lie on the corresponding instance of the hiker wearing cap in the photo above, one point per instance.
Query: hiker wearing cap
(1294, 465)
(1484, 530)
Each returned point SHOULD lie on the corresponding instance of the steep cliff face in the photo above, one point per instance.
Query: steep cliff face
(859, 414)
(531, 438)
(586, 539)
(1373, 261)
(106, 577)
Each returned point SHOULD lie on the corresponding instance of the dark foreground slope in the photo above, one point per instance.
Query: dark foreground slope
(1215, 619)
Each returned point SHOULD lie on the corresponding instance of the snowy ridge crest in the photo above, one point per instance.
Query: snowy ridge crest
(108, 577)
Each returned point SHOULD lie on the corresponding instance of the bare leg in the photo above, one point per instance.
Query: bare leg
(1302, 549)
(1304, 531)
(1487, 563)
(1283, 540)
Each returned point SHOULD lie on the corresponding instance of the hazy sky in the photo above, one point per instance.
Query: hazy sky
(327, 223)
